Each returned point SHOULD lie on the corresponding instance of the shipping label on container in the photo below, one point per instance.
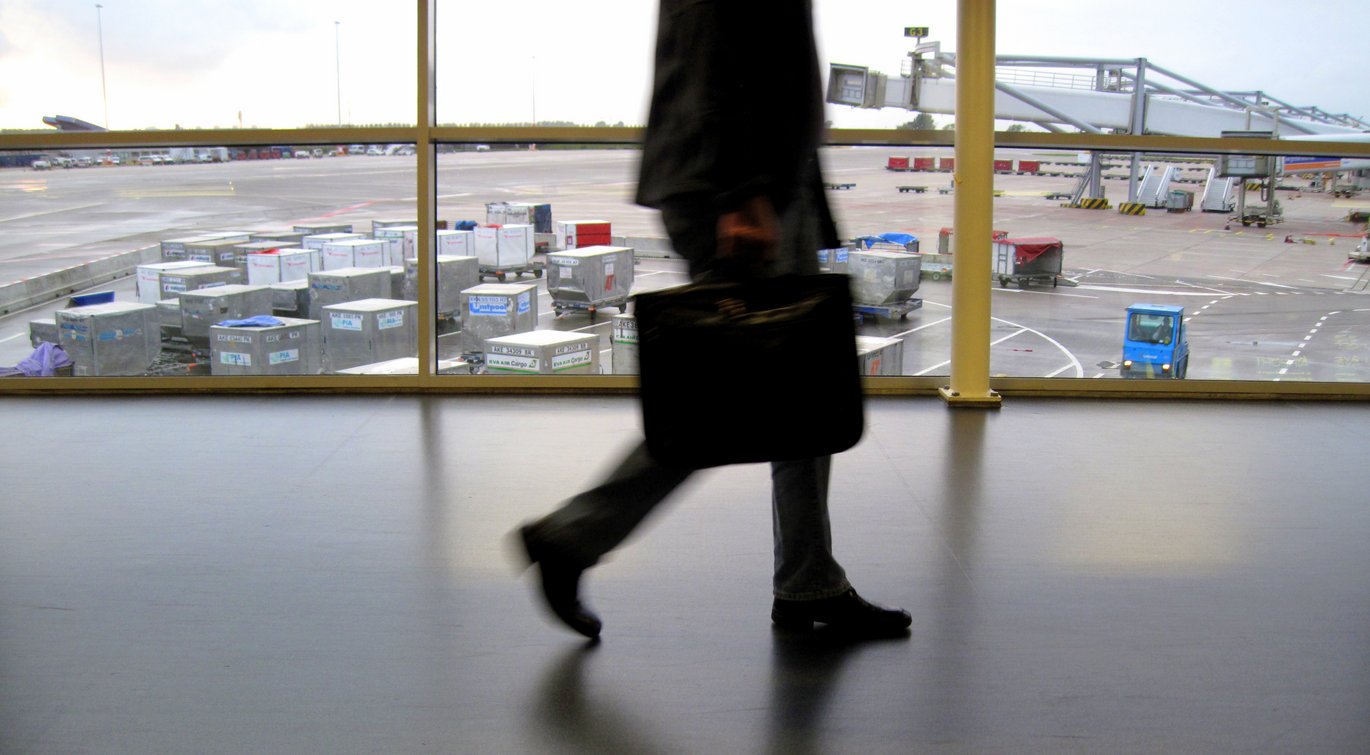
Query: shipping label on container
(388, 320)
(608, 274)
(489, 305)
(283, 357)
(76, 331)
(118, 334)
(512, 363)
(232, 338)
(525, 302)
(564, 272)
(566, 261)
(346, 321)
(172, 287)
(522, 351)
(568, 361)
(235, 359)
(625, 331)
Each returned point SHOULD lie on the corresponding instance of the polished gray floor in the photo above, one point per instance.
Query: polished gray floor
(329, 575)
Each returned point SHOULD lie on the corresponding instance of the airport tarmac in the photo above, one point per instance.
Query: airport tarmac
(1259, 308)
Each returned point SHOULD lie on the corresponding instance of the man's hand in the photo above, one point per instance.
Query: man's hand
(752, 230)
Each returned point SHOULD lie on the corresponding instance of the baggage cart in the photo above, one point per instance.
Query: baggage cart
(589, 278)
(1023, 261)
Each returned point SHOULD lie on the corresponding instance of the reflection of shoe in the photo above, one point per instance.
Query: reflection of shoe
(560, 584)
(848, 613)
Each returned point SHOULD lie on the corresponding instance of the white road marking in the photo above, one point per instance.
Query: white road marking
(920, 327)
(1244, 280)
(1005, 338)
(1152, 291)
(1054, 374)
(11, 338)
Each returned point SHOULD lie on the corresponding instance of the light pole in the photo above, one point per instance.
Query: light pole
(337, 66)
(104, 93)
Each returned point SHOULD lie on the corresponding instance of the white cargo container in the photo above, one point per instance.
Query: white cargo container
(293, 347)
(543, 352)
(457, 243)
(574, 234)
(280, 265)
(355, 253)
(173, 283)
(455, 274)
(150, 278)
(317, 240)
(118, 338)
(623, 343)
(407, 238)
(369, 331)
(504, 249)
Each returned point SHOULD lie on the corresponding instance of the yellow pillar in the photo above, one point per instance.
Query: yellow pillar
(974, 219)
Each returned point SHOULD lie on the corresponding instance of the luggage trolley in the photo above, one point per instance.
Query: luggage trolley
(590, 278)
(1023, 261)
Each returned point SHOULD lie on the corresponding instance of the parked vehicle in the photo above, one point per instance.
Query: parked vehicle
(41, 165)
(1155, 342)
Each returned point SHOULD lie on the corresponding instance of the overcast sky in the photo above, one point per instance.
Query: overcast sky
(275, 62)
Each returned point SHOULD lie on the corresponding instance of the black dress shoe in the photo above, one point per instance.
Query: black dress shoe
(560, 585)
(847, 613)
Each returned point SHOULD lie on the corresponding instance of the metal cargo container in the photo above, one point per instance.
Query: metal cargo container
(897, 163)
(403, 240)
(210, 306)
(43, 331)
(257, 247)
(290, 298)
(924, 163)
(294, 347)
(284, 238)
(173, 283)
(623, 342)
(355, 253)
(543, 352)
(880, 356)
(882, 278)
(491, 310)
(574, 234)
(455, 274)
(311, 229)
(175, 249)
(220, 252)
(833, 260)
(317, 240)
(507, 248)
(457, 243)
(280, 265)
(1022, 261)
(337, 286)
(946, 240)
(169, 318)
(590, 278)
(150, 278)
(369, 331)
(539, 216)
(119, 338)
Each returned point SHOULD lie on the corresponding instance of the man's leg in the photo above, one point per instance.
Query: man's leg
(804, 565)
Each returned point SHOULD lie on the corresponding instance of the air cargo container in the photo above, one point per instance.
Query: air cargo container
(833, 260)
(897, 163)
(175, 249)
(946, 164)
(369, 331)
(880, 356)
(284, 238)
(337, 286)
(590, 278)
(220, 252)
(317, 228)
(292, 347)
(490, 310)
(504, 249)
(924, 163)
(1023, 261)
(539, 216)
(174, 282)
(118, 338)
(345, 253)
(623, 342)
(150, 278)
(883, 283)
(454, 275)
(44, 331)
(210, 306)
(403, 240)
(317, 240)
(543, 352)
(1003, 166)
(1029, 166)
(574, 234)
(290, 298)
(257, 247)
(456, 243)
(280, 265)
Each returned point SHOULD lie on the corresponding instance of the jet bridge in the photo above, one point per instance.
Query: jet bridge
(1093, 95)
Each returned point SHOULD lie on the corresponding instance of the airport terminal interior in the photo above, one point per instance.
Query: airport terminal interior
(331, 574)
(1141, 529)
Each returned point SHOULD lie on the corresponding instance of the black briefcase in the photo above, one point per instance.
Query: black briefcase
(749, 371)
